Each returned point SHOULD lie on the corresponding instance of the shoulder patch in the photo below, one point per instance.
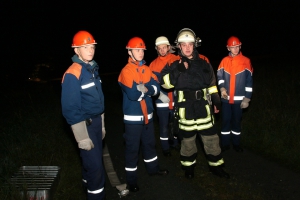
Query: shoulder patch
(74, 69)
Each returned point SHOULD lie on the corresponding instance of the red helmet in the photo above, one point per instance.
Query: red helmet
(136, 43)
(233, 41)
(82, 38)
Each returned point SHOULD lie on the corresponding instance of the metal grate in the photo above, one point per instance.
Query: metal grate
(37, 182)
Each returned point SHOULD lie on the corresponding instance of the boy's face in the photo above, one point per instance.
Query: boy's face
(85, 52)
(234, 50)
(163, 49)
(138, 54)
(187, 49)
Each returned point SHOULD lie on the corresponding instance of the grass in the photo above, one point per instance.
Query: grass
(33, 132)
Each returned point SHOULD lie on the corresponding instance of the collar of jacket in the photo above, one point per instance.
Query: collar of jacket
(90, 66)
(229, 54)
(166, 57)
(137, 63)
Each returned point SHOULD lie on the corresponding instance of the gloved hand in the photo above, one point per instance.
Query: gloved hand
(82, 136)
(164, 98)
(183, 64)
(141, 88)
(245, 103)
(224, 94)
(103, 127)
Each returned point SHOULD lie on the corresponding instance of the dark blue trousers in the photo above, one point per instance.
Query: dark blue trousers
(136, 135)
(93, 170)
(165, 117)
(231, 122)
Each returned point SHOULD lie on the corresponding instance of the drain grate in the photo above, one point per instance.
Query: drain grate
(37, 182)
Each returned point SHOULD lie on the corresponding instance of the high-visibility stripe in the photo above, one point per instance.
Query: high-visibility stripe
(150, 160)
(87, 85)
(213, 89)
(96, 191)
(130, 169)
(167, 82)
(192, 121)
(218, 163)
(248, 89)
(137, 117)
(237, 98)
(220, 82)
(163, 138)
(141, 97)
(225, 133)
(163, 105)
(196, 127)
(187, 163)
(236, 133)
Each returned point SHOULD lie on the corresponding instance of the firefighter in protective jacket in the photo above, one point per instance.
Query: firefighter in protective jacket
(193, 79)
(165, 101)
(138, 84)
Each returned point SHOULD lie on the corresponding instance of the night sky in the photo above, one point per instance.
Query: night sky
(34, 32)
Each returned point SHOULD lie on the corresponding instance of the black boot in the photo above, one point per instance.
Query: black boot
(133, 187)
(189, 171)
(218, 171)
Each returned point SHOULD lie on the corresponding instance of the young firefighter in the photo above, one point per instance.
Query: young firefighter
(235, 83)
(138, 84)
(194, 81)
(165, 101)
(83, 106)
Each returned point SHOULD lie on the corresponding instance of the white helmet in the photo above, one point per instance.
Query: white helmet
(187, 35)
(162, 40)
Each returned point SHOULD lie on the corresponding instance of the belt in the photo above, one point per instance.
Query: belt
(193, 95)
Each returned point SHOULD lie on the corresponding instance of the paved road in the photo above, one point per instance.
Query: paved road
(252, 177)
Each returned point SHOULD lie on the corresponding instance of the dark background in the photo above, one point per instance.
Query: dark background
(42, 31)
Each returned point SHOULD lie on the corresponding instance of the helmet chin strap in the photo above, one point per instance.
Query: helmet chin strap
(132, 56)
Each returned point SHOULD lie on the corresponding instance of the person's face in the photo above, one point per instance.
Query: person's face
(86, 52)
(234, 50)
(138, 54)
(163, 49)
(187, 48)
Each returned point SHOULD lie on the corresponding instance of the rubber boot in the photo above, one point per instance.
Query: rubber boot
(189, 171)
(218, 171)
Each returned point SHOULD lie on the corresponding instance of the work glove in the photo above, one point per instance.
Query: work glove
(245, 103)
(82, 136)
(141, 88)
(164, 98)
(103, 127)
(224, 94)
(182, 65)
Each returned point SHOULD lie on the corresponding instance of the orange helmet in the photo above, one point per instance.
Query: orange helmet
(82, 38)
(233, 41)
(136, 43)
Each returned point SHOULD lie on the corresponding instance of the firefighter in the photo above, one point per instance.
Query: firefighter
(235, 83)
(165, 101)
(193, 79)
(138, 84)
(83, 108)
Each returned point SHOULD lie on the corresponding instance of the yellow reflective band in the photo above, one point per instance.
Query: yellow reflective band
(167, 82)
(192, 121)
(187, 163)
(213, 89)
(218, 163)
(196, 127)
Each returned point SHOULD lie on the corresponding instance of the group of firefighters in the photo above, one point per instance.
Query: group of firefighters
(181, 88)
